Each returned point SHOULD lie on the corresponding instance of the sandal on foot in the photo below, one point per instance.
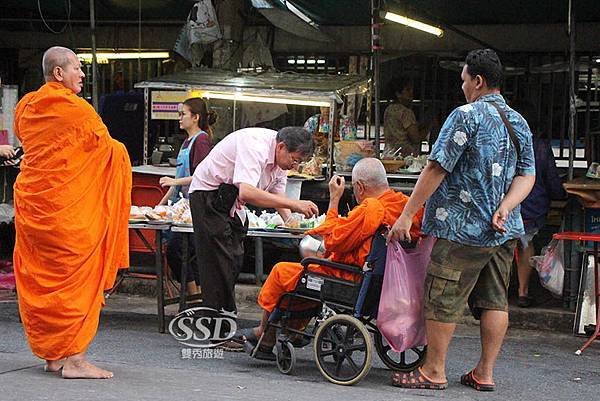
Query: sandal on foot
(416, 379)
(229, 346)
(249, 342)
(469, 379)
(263, 353)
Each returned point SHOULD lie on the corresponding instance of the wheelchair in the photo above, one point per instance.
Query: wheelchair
(344, 333)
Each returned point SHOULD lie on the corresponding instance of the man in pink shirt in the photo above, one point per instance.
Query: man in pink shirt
(248, 166)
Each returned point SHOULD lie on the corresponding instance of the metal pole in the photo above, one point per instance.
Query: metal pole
(572, 110)
(139, 40)
(94, 60)
(375, 51)
(146, 126)
(333, 115)
(234, 125)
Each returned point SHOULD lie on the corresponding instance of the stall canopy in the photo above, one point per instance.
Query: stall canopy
(266, 87)
(270, 87)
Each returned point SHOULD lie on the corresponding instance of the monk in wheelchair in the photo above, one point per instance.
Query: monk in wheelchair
(346, 241)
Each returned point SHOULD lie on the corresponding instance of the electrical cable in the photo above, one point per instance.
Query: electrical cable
(68, 9)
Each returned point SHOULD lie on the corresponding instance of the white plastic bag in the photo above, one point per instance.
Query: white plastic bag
(203, 24)
(550, 266)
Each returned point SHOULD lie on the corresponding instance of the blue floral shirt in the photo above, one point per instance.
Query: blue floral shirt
(474, 147)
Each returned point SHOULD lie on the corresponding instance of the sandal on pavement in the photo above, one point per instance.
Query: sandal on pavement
(470, 380)
(229, 346)
(416, 379)
(263, 353)
(250, 345)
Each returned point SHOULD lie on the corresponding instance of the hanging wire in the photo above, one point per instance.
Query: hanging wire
(68, 9)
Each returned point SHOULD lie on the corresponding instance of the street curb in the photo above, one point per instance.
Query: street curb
(555, 320)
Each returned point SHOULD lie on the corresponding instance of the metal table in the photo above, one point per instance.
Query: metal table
(158, 264)
(586, 189)
(258, 236)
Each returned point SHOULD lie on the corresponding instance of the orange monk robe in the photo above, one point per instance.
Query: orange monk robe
(346, 241)
(72, 201)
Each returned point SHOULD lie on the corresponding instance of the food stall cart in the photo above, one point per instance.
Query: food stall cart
(163, 95)
(287, 88)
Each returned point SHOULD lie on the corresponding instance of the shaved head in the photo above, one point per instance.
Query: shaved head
(62, 65)
(371, 173)
(56, 56)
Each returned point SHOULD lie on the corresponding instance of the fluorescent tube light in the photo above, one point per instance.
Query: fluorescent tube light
(105, 56)
(401, 19)
(256, 98)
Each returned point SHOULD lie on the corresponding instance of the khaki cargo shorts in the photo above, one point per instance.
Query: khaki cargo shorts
(458, 274)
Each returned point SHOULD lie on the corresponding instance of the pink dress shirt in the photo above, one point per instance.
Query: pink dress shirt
(244, 156)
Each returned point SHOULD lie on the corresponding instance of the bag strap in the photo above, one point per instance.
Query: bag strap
(509, 127)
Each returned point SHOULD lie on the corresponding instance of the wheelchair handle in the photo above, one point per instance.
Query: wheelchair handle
(326, 262)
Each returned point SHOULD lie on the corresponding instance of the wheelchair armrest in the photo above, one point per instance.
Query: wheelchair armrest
(326, 262)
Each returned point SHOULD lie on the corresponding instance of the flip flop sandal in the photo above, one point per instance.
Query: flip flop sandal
(416, 379)
(263, 353)
(249, 342)
(469, 379)
(230, 346)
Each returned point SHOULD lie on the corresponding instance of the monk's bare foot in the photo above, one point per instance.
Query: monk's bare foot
(82, 369)
(54, 366)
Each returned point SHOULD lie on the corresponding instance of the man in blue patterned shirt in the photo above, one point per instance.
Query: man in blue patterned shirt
(476, 177)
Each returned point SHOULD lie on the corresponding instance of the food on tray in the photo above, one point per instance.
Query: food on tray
(274, 220)
(164, 212)
(294, 221)
(313, 167)
(139, 212)
(181, 212)
(295, 174)
(153, 216)
(392, 165)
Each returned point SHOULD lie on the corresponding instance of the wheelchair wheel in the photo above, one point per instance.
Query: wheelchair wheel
(399, 361)
(286, 357)
(343, 349)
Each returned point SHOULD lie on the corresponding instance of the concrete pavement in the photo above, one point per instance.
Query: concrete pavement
(533, 365)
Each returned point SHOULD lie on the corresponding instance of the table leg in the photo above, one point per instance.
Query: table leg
(596, 298)
(158, 263)
(185, 244)
(258, 260)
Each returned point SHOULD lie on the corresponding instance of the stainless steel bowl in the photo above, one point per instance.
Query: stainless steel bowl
(312, 246)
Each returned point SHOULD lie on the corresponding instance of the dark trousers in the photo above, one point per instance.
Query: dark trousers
(175, 259)
(219, 242)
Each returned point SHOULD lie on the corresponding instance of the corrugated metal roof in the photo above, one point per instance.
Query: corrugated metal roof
(290, 84)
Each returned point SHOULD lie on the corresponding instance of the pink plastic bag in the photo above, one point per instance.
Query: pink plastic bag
(400, 319)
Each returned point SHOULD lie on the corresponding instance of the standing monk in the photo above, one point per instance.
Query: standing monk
(72, 201)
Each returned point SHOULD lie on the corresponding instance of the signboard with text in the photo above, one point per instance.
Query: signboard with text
(164, 105)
